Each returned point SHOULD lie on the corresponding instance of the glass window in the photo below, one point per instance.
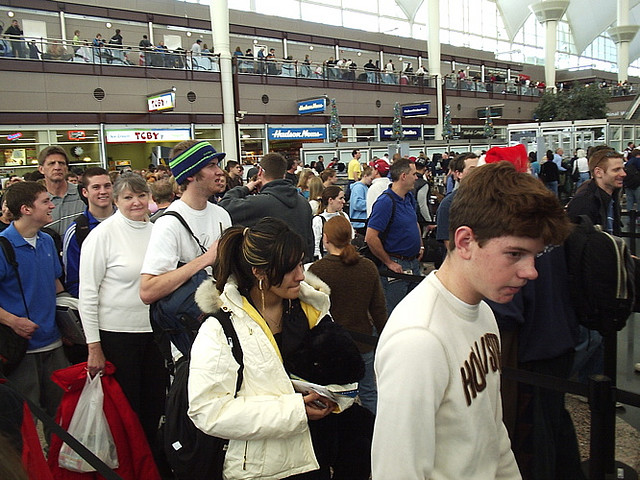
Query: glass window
(329, 15)
(358, 18)
(281, 8)
(362, 5)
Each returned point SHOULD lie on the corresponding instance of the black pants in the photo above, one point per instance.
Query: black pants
(545, 445)
(342, 442)
(141, 373)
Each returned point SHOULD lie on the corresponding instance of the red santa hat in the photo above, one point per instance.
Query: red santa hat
(516, 155)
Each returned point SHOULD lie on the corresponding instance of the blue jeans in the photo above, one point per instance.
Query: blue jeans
(396, 289)
(553, 186)
(367, 390)
(633, 197)
(589, 355)
(583, 178)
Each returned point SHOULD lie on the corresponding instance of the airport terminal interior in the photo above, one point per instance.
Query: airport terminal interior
(310, 78)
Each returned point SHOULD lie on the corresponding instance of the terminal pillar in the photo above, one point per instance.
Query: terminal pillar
(622, 34)
(548, 12)
(220, 27)
(433, 49)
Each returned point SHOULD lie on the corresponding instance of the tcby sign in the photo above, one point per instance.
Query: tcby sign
(146, 136)
(14, 136)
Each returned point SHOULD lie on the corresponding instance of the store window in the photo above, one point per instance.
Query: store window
(19, 148)
(252, 144)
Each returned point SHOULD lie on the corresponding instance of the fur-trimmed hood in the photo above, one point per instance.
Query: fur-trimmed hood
(312, 291)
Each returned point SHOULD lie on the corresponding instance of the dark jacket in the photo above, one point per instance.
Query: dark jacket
(278, 199)
(592, 201)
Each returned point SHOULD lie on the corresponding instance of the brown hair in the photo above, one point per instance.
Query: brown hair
(274, 166)
(600, 158)
(162, 190)
(338, 231)
(329, 193)
(22, 193)
(327, 173)
(270, 246)
(495, 200)
(52, 150)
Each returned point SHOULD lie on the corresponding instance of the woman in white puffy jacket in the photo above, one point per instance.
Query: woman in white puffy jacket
(260, 283)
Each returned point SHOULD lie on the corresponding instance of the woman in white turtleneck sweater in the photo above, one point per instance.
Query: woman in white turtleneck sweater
(115, 321)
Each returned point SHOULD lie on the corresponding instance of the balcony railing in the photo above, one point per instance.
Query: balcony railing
(159, 56)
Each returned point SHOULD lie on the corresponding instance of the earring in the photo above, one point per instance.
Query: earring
(261, 292)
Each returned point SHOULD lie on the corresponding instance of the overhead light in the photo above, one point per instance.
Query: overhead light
(255, 41)
(359, 54)
(10, 14)
(108, 25)
(188, 34)
(310, 47)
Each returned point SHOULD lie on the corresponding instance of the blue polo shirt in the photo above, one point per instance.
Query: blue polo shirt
(403, 237)
(39, 267)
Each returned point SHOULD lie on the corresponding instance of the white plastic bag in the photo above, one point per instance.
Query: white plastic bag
(89, 426)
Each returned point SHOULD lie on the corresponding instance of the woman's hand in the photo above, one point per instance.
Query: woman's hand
(313, 404)
(96, 360)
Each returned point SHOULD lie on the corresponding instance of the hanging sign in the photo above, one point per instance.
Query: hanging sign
(147, 135)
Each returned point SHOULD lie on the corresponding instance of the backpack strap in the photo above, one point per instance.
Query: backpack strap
(184, 223)
(10, 255)
(320, 245)
(67, 438)
(82, 229)
(385, 232)
(224, 318)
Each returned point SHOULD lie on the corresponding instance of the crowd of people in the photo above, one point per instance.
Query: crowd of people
(281, 254)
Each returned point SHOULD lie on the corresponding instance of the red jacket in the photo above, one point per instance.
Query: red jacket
(134, 455)
(32, 457)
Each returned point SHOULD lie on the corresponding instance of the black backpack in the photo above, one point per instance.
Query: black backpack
(176, 318)
(601, 277)
(191, 453)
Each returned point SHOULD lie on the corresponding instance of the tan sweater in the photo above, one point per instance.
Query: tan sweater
(357, 299)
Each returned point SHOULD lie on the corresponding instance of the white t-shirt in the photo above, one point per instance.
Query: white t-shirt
(439, 409)
(171, 243)
(318, 228)
(378, 186)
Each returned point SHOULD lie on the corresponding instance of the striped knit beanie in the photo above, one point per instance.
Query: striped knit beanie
(192, 160)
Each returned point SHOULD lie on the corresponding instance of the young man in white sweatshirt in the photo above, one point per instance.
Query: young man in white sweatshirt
(438, 360)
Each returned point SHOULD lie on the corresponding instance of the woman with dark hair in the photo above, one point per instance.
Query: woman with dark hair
(283, 327)
(260, 284)
(331, 205)
(116, 322)
(346, 272)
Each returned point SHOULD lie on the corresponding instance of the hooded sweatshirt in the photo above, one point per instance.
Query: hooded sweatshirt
(278, 199)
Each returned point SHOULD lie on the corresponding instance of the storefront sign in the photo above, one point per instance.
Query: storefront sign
(14, 136)
(76, 135)
(413, 132)
(419, 110)
(308, 133)
(162, 102)
(316, 105)
(496, 112)
(147, 136)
